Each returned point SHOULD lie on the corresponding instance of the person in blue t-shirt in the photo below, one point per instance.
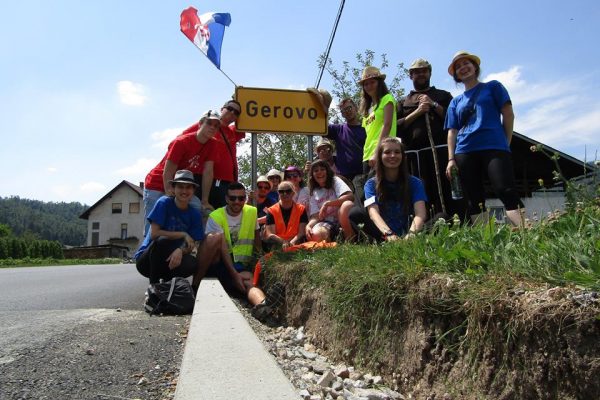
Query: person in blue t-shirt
(175, 227)
(392, 197)
(480, 127)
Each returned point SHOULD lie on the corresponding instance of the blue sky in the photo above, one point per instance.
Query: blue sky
(93, 91)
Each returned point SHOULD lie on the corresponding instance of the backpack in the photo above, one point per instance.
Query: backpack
(174, 297)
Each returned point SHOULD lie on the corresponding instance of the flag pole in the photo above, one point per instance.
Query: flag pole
(227, 76)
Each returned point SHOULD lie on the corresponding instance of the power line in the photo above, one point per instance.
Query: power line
(331, 37)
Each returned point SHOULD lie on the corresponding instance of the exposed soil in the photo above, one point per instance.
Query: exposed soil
(530, 343)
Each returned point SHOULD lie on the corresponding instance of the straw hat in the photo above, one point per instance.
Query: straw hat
(458, 56)
(420, 63)
(324, 142)
(263, 179)
(371, 72)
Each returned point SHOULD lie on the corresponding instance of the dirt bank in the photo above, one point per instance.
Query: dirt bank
(530, 342)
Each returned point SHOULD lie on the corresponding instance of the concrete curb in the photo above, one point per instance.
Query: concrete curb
(223, 357)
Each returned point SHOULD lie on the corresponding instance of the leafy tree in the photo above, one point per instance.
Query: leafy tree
(5, 231)
(279, 151)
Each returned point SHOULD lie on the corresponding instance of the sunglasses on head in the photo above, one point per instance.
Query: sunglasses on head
(235, 111)
(236, 198)
(285, 191)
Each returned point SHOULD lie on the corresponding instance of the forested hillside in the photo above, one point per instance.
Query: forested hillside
(42, 220)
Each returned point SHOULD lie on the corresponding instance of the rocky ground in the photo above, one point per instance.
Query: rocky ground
(123, 355)
(314, 376)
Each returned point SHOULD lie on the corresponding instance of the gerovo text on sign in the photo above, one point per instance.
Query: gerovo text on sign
(280, 111)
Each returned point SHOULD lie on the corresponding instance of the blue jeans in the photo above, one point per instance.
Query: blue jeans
(150, 199)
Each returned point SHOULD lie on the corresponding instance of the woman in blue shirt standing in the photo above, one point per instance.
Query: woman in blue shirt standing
(392, 197)
(480, 126)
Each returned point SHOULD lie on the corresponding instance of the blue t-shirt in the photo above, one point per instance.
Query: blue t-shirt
(392, 211)
(349, 142)
(484, 130)
(170, 218)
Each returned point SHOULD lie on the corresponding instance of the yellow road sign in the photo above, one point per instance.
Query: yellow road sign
(280, 111)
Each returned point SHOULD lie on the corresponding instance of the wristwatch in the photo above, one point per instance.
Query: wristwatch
(434, 105)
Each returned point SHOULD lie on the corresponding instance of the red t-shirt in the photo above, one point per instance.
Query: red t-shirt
(185, 151)
(226, 161)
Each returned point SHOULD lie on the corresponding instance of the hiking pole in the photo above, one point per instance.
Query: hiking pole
(435, 162)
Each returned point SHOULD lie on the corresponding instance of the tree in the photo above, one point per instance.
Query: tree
(5, 231)
(279, 151)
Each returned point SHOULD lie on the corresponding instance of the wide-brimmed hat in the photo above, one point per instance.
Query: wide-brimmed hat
(371, 72)
(324, 142)
(274, 172)
(263, 179)
(183, 176)
(420, 63)
(458, 56)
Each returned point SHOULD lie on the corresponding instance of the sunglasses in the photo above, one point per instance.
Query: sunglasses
(285, 191)
(266, 187)
(292, 175)
(235, 111)
(236, 198)
(346, 109)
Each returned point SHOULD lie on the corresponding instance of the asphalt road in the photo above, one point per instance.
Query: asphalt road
(71, 287)
(79, 332)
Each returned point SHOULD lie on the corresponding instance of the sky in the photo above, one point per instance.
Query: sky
(91, 92)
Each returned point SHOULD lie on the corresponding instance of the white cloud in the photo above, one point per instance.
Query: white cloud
(92, 187)
(52, 169)
(131, 94)
(162, 138)
(522, 92)
(139, 168)
(559, 113)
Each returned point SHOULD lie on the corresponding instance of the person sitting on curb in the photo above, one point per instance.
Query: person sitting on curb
(274, 176)
(175, 228)
(329, 205)
(232, 239)
(260, 198)
(286, 220)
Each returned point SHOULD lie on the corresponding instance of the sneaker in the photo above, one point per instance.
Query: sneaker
(262, 311)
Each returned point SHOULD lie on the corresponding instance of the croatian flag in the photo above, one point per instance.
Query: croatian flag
(206, 31)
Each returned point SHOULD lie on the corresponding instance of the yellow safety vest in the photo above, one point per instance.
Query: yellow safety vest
(242, 248)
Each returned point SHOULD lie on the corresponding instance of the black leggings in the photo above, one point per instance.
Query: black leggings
(153, 262)
(499, 168)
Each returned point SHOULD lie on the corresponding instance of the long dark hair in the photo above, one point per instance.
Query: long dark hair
(401, 190)
(366, 101)
(312, 183)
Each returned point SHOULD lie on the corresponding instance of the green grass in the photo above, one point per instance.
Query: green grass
(42, 262)
(456, 273)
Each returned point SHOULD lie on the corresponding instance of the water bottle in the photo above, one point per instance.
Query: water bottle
(457, 192)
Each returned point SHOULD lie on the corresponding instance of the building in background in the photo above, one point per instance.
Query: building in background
(117, 219)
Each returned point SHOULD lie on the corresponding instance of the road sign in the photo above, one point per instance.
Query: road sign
(280, 111)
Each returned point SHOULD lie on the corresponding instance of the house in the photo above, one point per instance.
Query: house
(117, 219)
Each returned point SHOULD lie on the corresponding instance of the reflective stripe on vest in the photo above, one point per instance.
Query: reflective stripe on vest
(242, 249)
(287, 233)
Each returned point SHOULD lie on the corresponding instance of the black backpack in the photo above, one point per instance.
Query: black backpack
(175, 297)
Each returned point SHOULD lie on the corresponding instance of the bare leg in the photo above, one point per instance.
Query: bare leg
(344, 218)
(208, 254)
